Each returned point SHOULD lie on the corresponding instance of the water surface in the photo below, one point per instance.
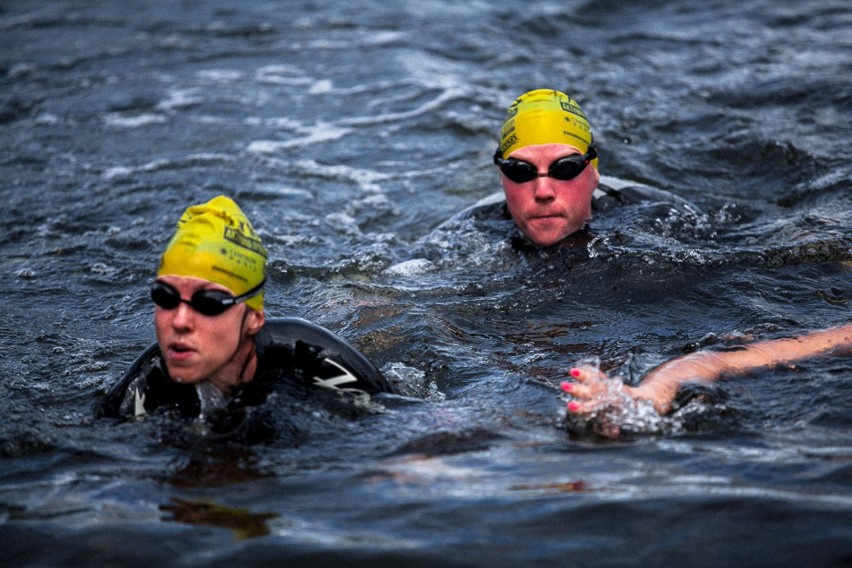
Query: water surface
(349, 134)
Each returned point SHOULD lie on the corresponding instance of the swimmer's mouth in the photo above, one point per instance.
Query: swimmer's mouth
(180, 348)
(545, 217)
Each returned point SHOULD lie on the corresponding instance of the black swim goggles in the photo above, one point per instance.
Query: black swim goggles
(563, 169)
(205, 302)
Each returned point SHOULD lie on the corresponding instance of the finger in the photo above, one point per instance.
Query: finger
(577, 390)
(583, 373)
(580, 408)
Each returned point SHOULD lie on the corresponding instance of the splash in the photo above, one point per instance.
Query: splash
(616, 414)
(211, 399)
(410, 381)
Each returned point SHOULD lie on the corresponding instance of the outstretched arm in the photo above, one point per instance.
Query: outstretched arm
(661, 385)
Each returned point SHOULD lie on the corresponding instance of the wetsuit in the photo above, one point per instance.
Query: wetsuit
(488, 221)
(290, 350)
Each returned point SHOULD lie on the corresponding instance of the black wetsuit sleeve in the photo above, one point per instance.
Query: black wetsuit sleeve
(607, 197)
(146, 386)
(116, 403)
(317, 357)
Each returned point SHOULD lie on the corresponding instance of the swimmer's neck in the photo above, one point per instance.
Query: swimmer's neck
(239, 370)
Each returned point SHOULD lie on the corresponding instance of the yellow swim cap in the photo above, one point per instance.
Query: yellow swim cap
(545, 116)
(215, 241)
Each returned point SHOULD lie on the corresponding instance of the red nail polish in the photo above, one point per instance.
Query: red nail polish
(573, 406)
(575, 372)
(567, 387)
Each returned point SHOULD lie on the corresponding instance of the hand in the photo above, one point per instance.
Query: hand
(592, 390)
(596, 399)
(606, 405)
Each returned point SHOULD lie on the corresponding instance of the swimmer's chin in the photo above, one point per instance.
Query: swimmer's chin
(182, 375)
(544, 240)
(186, 380)
(546, 232)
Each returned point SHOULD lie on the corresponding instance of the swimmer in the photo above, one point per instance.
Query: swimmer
(547, 160)
(591, 390)
(548, 164)
(215, 349)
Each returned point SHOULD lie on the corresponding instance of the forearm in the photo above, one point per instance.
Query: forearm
(661, 384)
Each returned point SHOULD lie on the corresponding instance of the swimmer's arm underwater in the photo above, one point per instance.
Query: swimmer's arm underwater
(592, 388)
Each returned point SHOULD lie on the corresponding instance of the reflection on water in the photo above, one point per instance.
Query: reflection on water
(352, 136)
(216, 466)
(243, 524)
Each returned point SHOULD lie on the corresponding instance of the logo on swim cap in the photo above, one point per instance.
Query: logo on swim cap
(545, 116)
(215, 241)
(507, 142)
(571, 106)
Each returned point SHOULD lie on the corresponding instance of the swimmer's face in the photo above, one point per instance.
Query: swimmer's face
(196, 347)
(546, 210)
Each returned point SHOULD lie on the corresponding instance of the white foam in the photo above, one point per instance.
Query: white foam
(47, 118)
(122, 121)
(221, 75)
(321, 87)
(411, 267)
(321, 132)
(157, 165)
(179, 98)
(343, 223)
(383, 37)
(281, 75)
(365, 179)
(432, 105)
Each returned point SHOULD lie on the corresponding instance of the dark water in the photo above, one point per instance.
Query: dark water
(349, 133)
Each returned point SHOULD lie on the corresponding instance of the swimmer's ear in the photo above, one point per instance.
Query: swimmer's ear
(255, 321)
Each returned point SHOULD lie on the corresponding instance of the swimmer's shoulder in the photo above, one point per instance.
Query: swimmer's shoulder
(313, 354)
(491, 207)
(615, 192)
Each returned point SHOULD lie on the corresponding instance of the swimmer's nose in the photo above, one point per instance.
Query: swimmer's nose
(183, 317)
(543, 187)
